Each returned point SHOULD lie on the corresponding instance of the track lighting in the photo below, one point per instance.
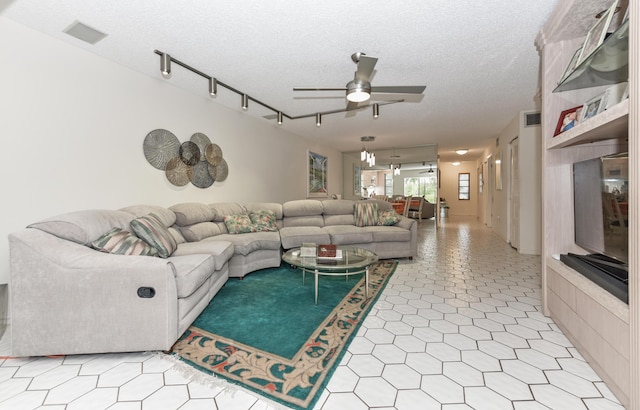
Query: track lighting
(279, 116)
(245, 102)
(318, 119)
(165, 65)
(358, 91)
(376, 110)
(213, 87)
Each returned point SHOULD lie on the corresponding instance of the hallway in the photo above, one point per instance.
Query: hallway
(457, 328)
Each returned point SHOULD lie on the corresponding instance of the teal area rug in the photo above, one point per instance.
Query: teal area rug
(266, 334)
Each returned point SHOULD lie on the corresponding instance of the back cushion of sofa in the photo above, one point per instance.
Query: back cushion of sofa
(330, 220)
(302, 207)
(338, 207)
(199, 231)
(314, 220)
(84, 226)
(223, 209)
(165, 215)
(265, 206)
(190, 213)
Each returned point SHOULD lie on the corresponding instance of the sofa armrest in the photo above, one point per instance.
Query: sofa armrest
(406, 223)
(67, 298)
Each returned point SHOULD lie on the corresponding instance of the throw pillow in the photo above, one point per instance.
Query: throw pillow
(239, 224)
(152, 231)
(121, 242)
(366, 213)
(388, 218)
(264, 220)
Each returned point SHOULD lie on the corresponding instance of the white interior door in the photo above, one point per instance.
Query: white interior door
(514, 223)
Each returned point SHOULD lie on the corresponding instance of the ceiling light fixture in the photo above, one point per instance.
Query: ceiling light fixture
(165, 65)
(376, 110)
(245, 102)
(358, 91)
(213, 87)
(455, 163)
(461, 151)
(318, 119)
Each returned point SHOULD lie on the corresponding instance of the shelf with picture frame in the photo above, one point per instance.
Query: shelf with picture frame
(605, 64)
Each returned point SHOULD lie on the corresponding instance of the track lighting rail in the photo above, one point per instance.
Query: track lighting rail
(278, 113)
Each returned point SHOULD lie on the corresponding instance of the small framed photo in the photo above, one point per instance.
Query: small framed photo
(592, 107)
(568, 119)
(596, 35)
(572, 65)
(614, 94)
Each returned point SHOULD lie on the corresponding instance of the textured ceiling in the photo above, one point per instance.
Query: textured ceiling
(477, 58)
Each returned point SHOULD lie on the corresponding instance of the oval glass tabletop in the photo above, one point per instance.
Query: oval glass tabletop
(350, 258)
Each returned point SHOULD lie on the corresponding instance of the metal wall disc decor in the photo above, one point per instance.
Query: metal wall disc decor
(222, 170)
(177, 172)
(202, 141)
(201, 177)
(213, 154)
(189, 153)
(198, 160)
(159, 147)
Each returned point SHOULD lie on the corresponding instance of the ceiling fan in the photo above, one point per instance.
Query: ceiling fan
(359, 89)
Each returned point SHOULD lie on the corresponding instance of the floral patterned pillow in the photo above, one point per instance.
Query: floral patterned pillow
(239, 224)
(265, 221)
(389, 217)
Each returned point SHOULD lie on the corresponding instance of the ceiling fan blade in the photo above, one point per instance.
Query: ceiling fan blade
(400, 89)
(319, 89)
(352, 106)
(365, 68)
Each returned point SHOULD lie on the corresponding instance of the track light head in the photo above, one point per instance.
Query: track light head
(279, 116)
(318, 119)
(165, 65)
(213, 87)
(376, 110)
(245, 102)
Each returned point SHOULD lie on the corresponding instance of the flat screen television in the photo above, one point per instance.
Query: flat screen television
(601, 219)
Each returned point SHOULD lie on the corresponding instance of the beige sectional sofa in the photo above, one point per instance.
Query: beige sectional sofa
(68, 298)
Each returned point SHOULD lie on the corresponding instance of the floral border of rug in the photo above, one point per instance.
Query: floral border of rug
(295, 382)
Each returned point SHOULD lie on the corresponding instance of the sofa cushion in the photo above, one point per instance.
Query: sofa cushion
(293, 237)
(223, 209)
(338, 207)
(348, 234)
(388, 218)
(264, 220)
(302, 207)
(177, 235)
(165, 215)
(239, 224)
(389, 233)
(152, 231)
(84, 226)
(302, 221)
(339, 219)
(270, 206)
(221, 251)
(191, 213)
(199, 231)
(121, 242)
(249, 242)
(191, 272)
(366, 213)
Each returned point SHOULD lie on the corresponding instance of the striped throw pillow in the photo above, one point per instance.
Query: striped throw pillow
(121, 242)
(366, 213)
(152, 231)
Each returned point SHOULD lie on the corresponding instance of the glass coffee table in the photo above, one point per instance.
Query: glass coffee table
(352, 261)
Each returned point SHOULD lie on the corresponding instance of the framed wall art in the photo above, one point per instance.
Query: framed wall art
(596, 35)
(568, 119)
(316, 175)
(357, 180)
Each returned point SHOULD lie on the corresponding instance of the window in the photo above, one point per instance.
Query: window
(422, 186)
(464, 183)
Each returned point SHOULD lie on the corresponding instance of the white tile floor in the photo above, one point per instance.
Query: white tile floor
(457, 328)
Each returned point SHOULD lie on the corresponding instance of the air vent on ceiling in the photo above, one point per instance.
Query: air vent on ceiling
(532, 119)
(85, 33)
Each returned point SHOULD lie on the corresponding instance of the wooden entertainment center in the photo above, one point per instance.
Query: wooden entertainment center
(605, 330)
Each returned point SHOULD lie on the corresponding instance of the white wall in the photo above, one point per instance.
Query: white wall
(72, 126)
